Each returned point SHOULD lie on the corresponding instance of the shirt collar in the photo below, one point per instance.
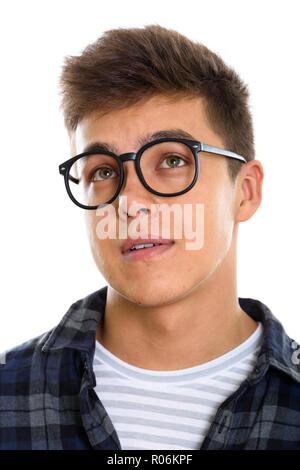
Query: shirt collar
(277, 349)
(77, 330)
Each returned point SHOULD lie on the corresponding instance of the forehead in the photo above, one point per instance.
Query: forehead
(129, 128)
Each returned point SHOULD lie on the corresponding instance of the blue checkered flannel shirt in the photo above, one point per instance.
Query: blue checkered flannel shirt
(48, 401)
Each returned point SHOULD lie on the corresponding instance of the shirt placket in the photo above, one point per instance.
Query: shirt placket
(98, 425)
(218, 433)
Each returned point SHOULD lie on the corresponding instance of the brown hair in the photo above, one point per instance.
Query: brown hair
(125, 66)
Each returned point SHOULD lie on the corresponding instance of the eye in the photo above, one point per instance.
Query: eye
(173, 161)
(104, 173)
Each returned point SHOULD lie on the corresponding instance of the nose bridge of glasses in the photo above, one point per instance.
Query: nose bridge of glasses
(125, 157)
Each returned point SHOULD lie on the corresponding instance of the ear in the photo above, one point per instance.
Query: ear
(249, 190)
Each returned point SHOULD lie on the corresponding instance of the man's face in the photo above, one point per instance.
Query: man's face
(171, 275)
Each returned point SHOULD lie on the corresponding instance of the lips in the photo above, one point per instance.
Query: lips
(129, 243)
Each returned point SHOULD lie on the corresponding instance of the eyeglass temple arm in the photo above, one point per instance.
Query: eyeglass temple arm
(75, 180)
(62, 171)
(218, 151)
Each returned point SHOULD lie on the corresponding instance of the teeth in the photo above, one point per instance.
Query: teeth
(147, 245)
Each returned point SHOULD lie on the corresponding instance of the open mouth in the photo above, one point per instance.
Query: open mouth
(143, 246)
(146, 250)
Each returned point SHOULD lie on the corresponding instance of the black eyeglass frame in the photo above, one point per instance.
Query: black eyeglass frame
(195, 147)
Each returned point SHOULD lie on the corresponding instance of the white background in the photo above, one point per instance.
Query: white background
(46, 263)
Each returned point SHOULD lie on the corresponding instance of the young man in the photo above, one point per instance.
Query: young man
(166, 356)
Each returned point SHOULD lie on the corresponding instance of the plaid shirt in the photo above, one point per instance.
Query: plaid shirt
(48, 401)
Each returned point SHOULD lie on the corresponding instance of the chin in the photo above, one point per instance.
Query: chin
(148, 295)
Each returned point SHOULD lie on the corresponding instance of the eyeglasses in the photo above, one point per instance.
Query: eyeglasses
(166, 167)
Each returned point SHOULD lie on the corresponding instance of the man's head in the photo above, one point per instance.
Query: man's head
(134, 82)
(125, 66)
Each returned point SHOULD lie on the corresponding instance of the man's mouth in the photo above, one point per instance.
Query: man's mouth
(145, 248)
(141, 247)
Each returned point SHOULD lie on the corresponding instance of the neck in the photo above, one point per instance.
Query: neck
(205, 324)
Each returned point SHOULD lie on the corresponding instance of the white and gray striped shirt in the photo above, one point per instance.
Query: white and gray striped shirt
(169, 409)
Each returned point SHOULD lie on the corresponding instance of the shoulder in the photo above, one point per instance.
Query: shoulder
(20, 357)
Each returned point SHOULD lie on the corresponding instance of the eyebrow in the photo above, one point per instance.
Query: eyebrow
(166, 133)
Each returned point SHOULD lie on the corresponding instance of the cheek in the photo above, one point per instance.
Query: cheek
(216, 224)
(100, 248)
(219, 223)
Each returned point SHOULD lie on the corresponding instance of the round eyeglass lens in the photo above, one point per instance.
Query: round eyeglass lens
(93, 179)
(168, 167)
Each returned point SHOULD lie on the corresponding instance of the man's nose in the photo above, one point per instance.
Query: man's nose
(138, 198)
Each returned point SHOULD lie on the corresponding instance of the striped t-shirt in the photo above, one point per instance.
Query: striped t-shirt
(169, 409)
